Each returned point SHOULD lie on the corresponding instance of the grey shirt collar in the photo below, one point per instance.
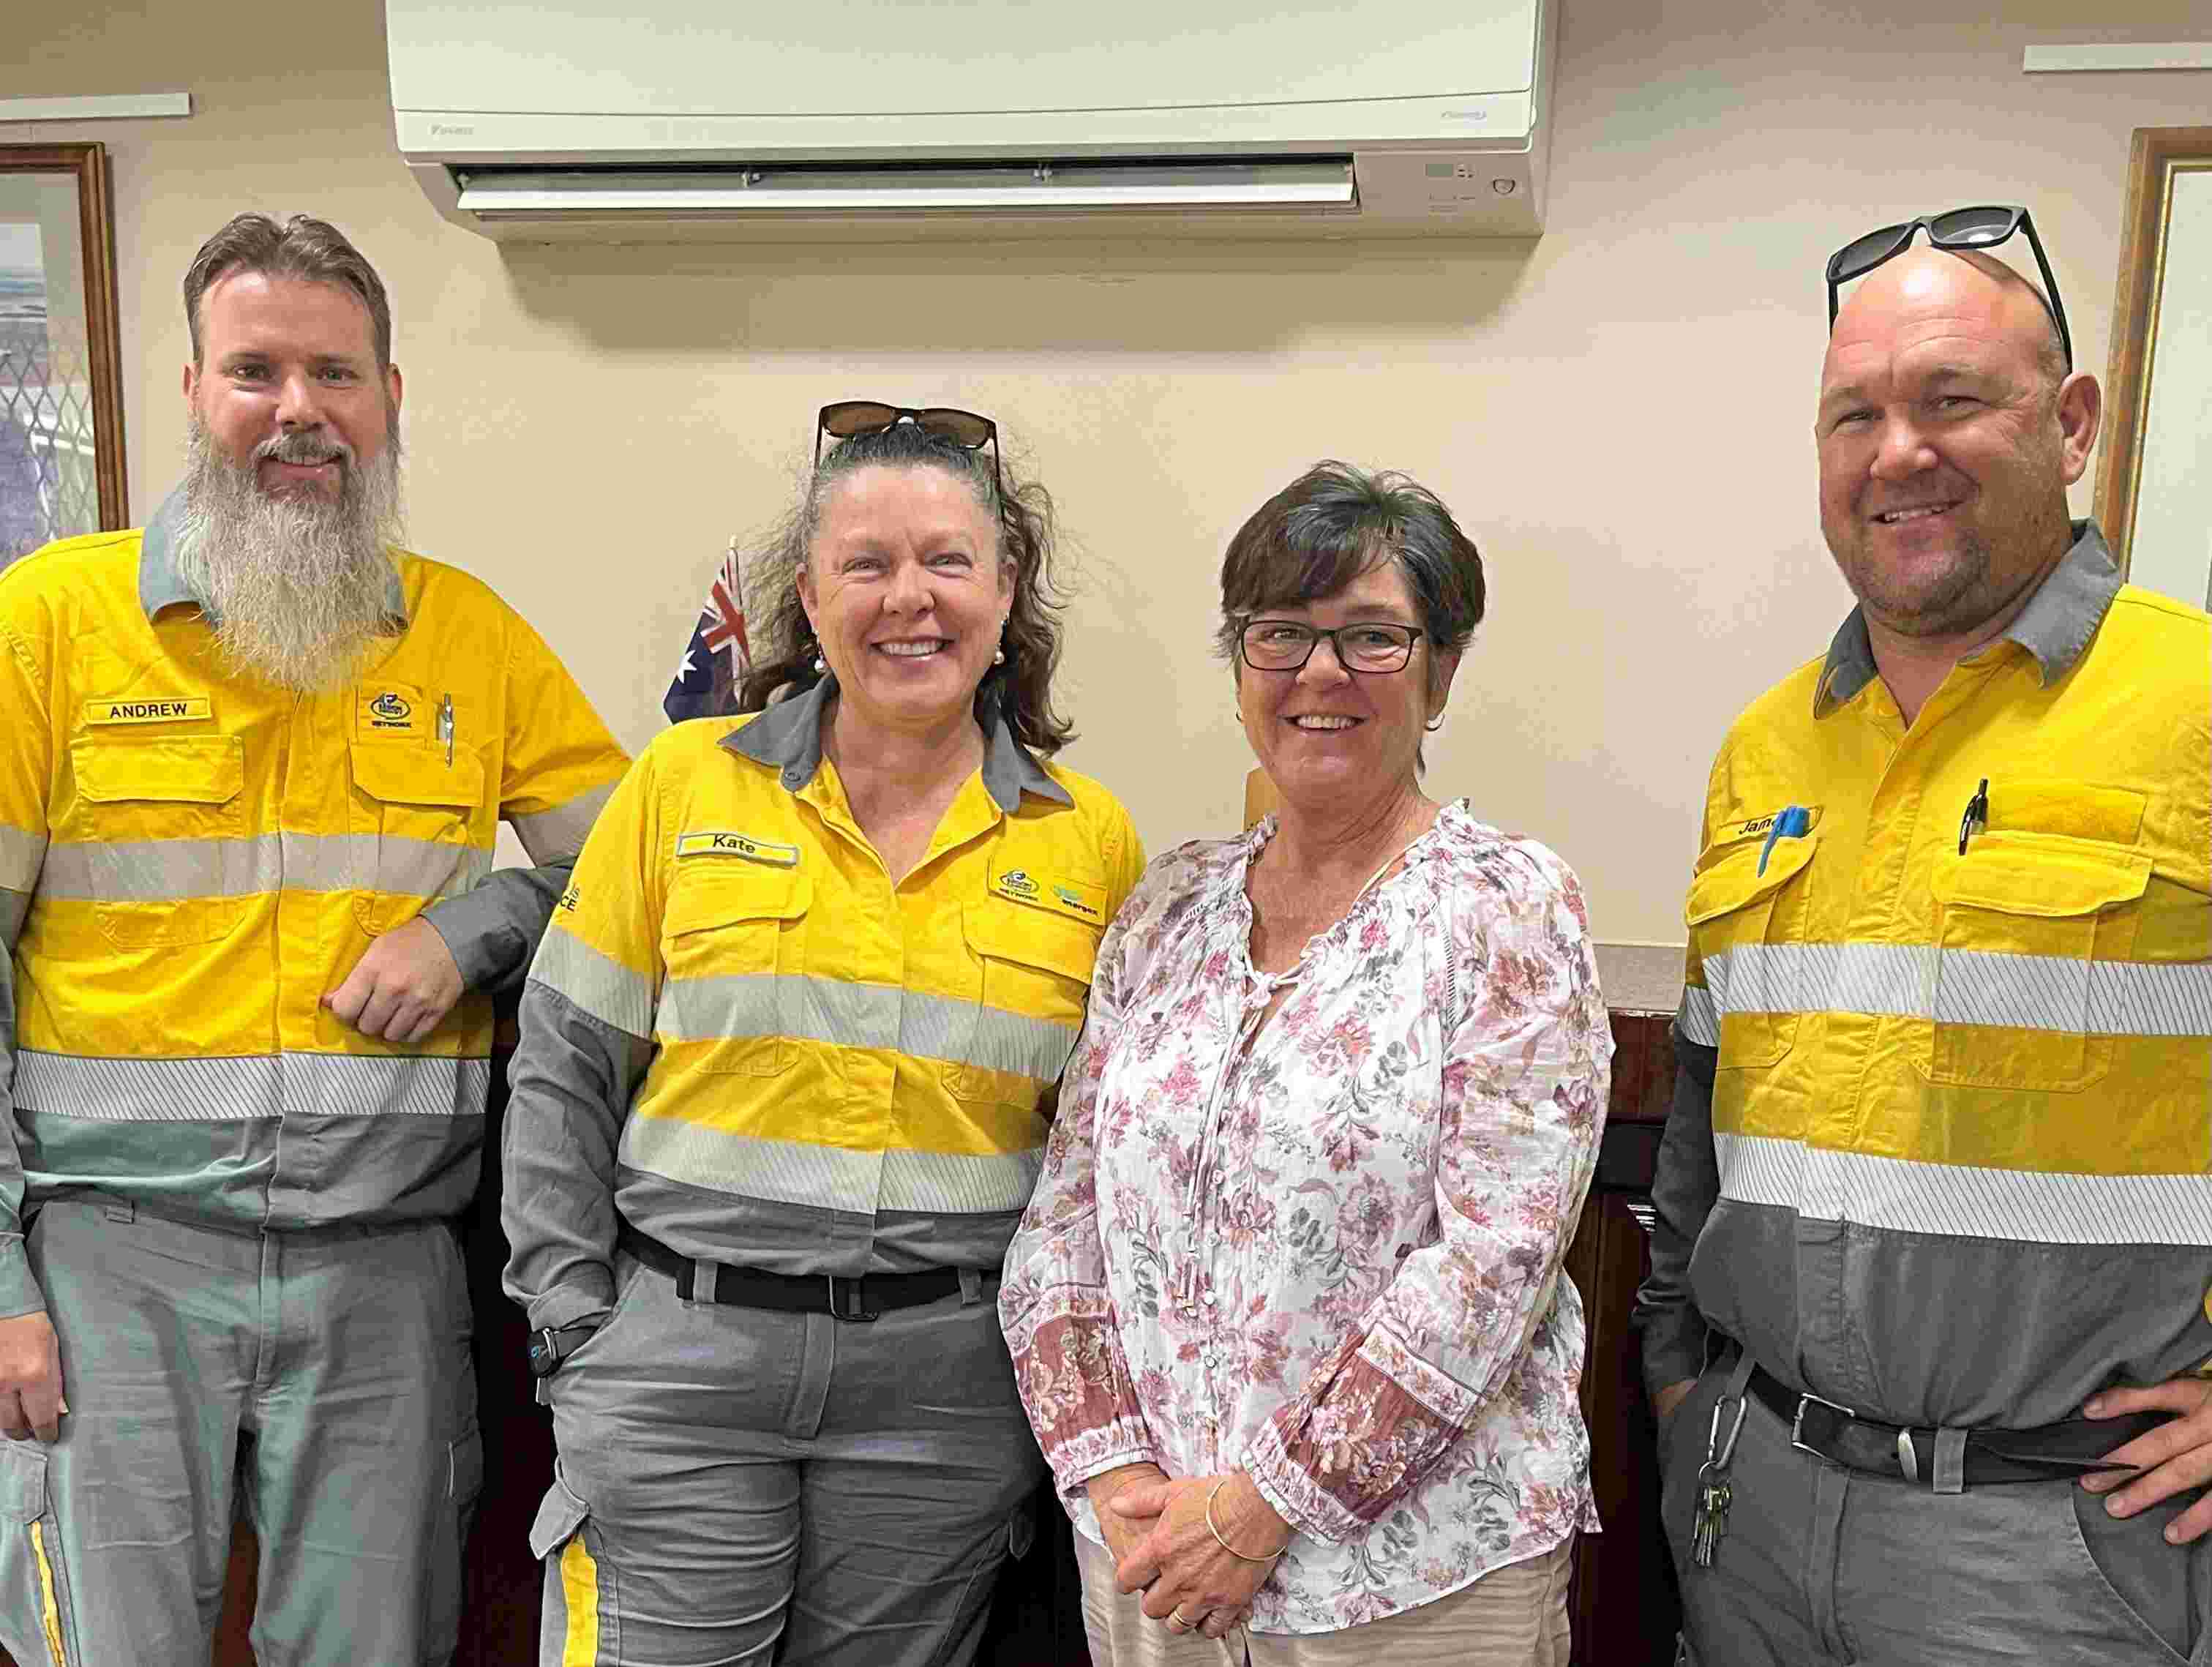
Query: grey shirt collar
(160, 587)
(789, 735)
(2056, 626)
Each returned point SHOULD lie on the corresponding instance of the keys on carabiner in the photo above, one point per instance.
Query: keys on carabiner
(1710, 1525)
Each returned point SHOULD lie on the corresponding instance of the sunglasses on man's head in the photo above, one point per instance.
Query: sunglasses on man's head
(848, 419)
(1983, 228)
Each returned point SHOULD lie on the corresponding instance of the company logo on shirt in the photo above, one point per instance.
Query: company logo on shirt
(176, 710)
(389, 709)
(739, 845)
(1061, 897)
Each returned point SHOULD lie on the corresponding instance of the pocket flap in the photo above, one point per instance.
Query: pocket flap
(1733, 881)
(734, 892)
(22, 1481)
(2043, 874)
(402, 773)
(208, 769)
(559, 1516)
(1013, 932)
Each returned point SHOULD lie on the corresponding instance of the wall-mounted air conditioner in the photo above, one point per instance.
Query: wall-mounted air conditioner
(588, 119)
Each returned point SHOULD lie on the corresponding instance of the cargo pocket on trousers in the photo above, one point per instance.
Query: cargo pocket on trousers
(578, 1622)
(457, 1510)
(33, 1582)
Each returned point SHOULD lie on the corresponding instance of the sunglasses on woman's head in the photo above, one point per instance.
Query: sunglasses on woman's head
(848, 419)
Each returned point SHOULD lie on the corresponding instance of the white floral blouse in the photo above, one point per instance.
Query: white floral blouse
(1325, 1249)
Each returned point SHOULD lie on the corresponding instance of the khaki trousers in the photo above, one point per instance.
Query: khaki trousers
(1514, 1616)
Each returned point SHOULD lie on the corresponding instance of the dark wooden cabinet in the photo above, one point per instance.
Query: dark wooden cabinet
(1623, 1597)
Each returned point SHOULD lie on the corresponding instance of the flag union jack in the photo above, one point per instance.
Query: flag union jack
(718, 656)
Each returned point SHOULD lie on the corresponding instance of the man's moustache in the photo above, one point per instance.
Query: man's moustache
(302, 448)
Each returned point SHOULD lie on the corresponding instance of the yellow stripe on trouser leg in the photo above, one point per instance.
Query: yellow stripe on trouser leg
(49, 1611)
(580, 1585)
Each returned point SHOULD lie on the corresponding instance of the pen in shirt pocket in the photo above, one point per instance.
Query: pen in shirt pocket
(1977, 816)
(1790, 822)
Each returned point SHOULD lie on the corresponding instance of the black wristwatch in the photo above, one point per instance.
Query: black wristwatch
(550, 1345)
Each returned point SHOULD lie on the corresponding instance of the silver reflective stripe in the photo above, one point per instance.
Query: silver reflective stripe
(784, 1172)
(1965, 987)
(165, 870)
(599, 984)
(13, 906)
(855, 1015)
(1696, 1017)
(830, 1177)
(21, 854)
(1906, 1196)
(240, 1088)
(382, 862)
(955, 1185)
(549, 834)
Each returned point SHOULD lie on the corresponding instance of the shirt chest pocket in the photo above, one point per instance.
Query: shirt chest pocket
(732, 950)
(166, 861)
(1030, 971)
(415, 821)
(1750, 929)
(2028, 930)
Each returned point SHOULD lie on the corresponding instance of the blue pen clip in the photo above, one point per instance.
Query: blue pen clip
(1790, 822)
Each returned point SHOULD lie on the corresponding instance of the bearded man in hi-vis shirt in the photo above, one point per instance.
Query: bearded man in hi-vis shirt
(253, 761)
(1928, 1310)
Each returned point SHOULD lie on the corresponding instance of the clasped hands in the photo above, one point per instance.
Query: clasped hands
(1155, 1530)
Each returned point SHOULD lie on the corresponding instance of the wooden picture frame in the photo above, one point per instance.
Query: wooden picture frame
(2156, 458)
(61, 377)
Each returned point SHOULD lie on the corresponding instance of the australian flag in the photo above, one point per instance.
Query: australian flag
(706, 681)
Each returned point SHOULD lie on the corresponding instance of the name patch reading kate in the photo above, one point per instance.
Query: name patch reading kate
(738, 844)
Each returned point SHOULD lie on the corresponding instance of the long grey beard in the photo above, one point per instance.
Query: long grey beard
(299, 586)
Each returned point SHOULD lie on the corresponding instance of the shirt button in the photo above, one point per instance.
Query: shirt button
(1209, 1299)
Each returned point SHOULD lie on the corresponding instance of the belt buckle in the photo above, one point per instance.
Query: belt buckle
(856, 1314)
(1797, 1421)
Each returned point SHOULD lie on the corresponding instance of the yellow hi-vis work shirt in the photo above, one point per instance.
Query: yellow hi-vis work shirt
(742, 1036)
(1960, 1170)
(190, 859)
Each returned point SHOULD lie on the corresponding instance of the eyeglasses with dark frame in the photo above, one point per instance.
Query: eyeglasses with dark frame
(848, 419)
(1286, 645)
(1982, 228)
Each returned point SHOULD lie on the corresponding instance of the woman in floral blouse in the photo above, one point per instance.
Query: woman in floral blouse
(1286, 1309)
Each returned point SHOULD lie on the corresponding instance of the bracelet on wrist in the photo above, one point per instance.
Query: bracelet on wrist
(1215, 1529)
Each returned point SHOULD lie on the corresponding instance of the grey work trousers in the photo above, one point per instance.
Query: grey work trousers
(1821, 1565)
(322, 1380)
(737, 1486)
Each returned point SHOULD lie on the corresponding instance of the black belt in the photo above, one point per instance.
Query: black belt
(860, 1298)
(2073, 1447)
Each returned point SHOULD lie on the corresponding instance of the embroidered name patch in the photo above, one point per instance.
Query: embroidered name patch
(1759, 827)
(738, 844)
(1062, 896)
(179, 709)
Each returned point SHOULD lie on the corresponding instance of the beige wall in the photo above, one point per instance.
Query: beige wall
(1618, 412)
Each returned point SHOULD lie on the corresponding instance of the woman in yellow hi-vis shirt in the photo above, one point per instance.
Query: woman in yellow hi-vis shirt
(787, 1060)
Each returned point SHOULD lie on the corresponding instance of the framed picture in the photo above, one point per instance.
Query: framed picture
(2154, 489)
(61, 391)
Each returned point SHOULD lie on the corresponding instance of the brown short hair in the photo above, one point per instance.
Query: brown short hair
(1335, 522)
(303, 248)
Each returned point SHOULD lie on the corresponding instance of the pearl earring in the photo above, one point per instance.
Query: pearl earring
(999, 655)
(819, 666)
